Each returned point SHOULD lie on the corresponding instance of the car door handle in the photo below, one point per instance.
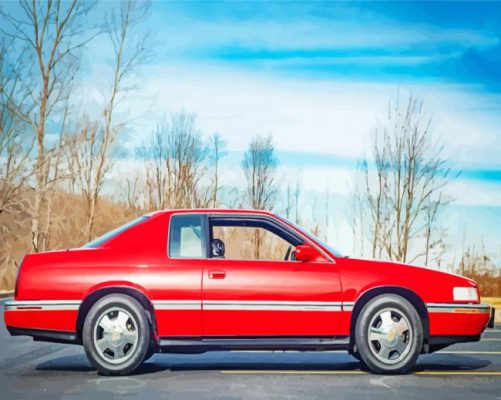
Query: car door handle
(217, 274)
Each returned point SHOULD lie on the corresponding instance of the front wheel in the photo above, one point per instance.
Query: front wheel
(116, 335)
(389, 334)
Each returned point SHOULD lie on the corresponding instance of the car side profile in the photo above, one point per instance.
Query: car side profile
(190, 281)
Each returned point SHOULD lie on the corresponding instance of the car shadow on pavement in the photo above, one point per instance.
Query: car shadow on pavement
(263, 362)
(449, 362)
(75, 363)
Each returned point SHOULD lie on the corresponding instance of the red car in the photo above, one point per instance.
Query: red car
(191, 281)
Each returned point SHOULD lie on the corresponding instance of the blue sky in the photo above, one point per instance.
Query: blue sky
(318, 76)
(417, 42)
(448, 53)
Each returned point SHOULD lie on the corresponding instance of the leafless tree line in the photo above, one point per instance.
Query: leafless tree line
(479, 266)
(397, 203)
(47, 147)
(49, 37)
(177, 154)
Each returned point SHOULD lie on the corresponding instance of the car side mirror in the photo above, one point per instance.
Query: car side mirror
(305, 253)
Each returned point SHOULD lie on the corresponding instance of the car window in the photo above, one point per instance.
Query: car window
(115, 232)
(316, 239)
(249, 243)
(186, 237)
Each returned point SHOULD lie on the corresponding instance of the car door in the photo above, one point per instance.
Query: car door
(268, 297)
(177, 299)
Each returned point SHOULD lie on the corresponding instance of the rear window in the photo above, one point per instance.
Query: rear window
(115, 232)
(186, 237)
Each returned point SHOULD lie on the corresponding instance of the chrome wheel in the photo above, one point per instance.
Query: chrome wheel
(390, 336)
(116, 335)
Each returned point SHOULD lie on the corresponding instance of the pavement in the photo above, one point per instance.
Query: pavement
(36, 370)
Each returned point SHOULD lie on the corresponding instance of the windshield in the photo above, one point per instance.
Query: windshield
(107, 236)
(316, 239)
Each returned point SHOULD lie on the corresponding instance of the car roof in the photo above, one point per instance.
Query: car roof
(211, 211)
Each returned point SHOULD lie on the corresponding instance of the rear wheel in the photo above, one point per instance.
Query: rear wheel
(116, 335)
(389, 335)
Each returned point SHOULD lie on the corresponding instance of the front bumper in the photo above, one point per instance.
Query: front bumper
(453, 319)
(459, 308)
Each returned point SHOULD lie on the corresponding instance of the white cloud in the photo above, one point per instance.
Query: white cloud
(325, 116)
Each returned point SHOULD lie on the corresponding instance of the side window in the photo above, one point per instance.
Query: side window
(186, 237)
(246, 243)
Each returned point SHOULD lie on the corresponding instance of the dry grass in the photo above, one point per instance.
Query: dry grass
(67, 229)
(495, 302)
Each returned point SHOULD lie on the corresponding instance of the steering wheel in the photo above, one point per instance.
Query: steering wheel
(288, 253)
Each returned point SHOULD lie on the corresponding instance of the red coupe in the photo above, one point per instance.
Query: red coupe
(192, 281)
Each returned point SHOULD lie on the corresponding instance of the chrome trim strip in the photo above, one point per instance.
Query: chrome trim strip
(272, 305)
(457, 308)
(272, 302)
(42, 305)
(177, 304)
(348, 305)
(265, 305)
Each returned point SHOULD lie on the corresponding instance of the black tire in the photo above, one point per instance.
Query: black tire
(372, 352)
(152, 350)
(105, 306)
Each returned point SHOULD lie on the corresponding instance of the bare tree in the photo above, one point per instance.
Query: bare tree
(157, 175)
(404, 183)
(259, 165)
(218, 151)
(292, 199)
(327, 214)
(315, 230)
(52, 31)
(133, 193)
(95, 141)
(297, 197)
(175, 164)
(431, 227)
(15, 147)
(288, 201)
(356, 214)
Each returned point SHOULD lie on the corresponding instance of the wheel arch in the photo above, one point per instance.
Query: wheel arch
(406, 293)
(101, 292)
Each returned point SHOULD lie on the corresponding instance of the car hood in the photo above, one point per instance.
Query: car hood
(421, 271)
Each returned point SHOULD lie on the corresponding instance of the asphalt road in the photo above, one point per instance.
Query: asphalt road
(33, 370)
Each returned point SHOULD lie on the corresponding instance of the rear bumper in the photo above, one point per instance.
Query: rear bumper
(45, 335)
(47, 315)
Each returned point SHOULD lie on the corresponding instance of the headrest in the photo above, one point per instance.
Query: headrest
(217, 248)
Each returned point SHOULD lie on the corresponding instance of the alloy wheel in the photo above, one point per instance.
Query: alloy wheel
(116, 335)
(390, 336)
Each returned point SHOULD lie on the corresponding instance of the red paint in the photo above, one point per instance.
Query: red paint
(137, 259)
(54, 320)
(277, 281)
(447, 324)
